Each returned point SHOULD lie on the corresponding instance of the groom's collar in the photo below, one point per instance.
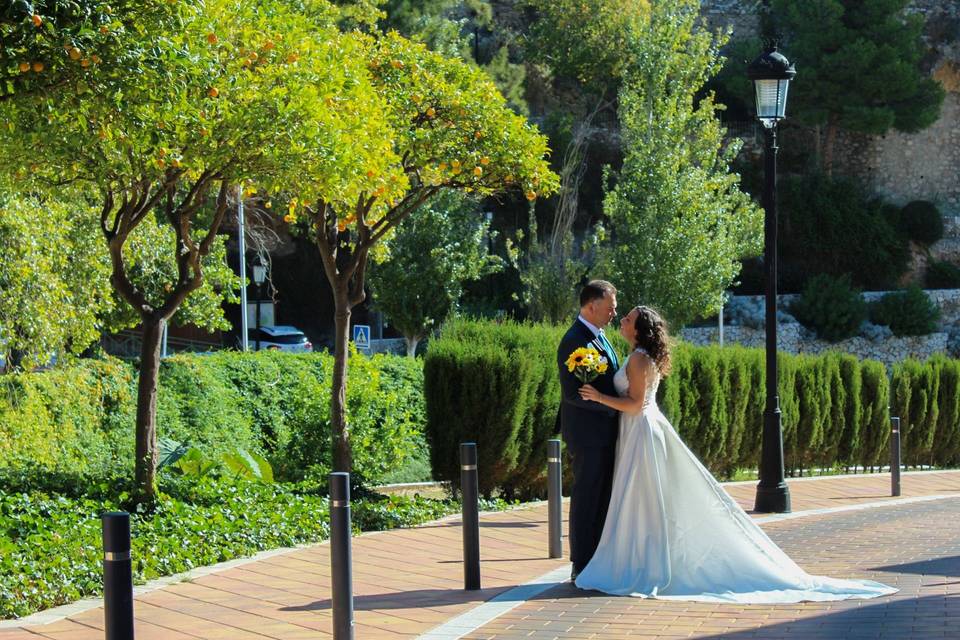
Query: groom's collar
(593, 329)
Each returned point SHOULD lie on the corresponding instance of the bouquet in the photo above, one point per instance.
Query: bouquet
(586, 363)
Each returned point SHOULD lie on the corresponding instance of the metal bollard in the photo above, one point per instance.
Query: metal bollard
(554, 498)
(895, 456)
(341, 561)
(469, 489)
(117, 576)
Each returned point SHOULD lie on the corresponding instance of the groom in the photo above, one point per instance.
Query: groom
(589, 429)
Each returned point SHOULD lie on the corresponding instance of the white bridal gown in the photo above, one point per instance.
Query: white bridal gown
(672, 532)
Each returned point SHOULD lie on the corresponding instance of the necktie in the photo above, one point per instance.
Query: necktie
(609, 349)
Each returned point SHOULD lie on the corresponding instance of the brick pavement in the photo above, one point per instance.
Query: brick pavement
(409, 581)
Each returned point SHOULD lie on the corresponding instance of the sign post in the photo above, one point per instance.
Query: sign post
(361, 337)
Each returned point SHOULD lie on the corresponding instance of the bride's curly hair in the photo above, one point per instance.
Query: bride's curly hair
(652, 336)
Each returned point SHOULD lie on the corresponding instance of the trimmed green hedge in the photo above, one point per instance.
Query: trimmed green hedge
(79, 418)
(497, 385)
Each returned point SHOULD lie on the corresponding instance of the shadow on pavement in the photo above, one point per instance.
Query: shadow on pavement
(948, 567)
(913, 618)
(409, 599)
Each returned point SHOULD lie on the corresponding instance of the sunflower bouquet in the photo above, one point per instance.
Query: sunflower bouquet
(586, 363)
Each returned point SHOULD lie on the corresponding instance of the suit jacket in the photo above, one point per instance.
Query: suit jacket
(585, 423)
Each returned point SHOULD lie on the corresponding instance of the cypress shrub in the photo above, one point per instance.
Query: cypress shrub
(787, 372)
(874, 434)
(915, 395)
(835, 411)
(946, 442)
(851, 387)
(814, 400)
(482, 384)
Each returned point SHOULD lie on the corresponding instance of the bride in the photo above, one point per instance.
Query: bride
(671, 531)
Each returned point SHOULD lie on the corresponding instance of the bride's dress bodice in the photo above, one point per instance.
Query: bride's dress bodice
(622, 383)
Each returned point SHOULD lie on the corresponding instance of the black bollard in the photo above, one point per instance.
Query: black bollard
(341, 562)
(469, 488)
(554, 498)
(117, 576)
(895, 456)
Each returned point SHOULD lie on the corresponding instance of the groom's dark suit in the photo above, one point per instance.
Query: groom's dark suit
(590, 432)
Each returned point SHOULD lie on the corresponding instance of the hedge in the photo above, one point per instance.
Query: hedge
(79, 418)
(497, 385)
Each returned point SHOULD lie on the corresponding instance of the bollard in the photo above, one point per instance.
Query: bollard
(554, 498)
(341, 561)
(117, 576)
(895, 456)
(469, 489)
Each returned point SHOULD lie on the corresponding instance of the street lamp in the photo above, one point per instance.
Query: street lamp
(259, 277)
(771, 74)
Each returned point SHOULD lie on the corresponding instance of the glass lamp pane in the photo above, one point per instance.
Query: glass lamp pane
(259, 273)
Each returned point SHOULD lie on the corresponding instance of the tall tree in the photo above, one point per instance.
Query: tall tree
(432, 255)
(678, 220)
(860, 68)
(204, 96)
(580, 45)
(451, 130)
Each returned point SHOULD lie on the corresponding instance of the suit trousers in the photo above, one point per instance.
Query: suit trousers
(589, 499)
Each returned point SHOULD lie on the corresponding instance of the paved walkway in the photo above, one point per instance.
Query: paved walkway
(409, 582)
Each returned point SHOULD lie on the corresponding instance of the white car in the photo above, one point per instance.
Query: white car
(281, 338)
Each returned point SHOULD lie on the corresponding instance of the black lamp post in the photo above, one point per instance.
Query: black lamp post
(771, 74)
(259, 277)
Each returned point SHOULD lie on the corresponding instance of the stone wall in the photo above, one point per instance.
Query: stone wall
(794, 338)
(899, 166)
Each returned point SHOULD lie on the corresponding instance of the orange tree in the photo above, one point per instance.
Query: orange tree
(451, 130)
(210, 95)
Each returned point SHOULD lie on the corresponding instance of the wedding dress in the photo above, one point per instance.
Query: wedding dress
(672, 532)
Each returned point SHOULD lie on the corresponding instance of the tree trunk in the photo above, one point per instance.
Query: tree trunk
(146, 430)
(340, 435)
(412, 342)
(829, 144)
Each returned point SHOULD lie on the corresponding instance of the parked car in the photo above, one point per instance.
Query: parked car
(281, 338)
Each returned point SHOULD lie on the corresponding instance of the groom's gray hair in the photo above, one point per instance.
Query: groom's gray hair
(596, 290)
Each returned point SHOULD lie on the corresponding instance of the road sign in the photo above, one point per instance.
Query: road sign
(361, 336)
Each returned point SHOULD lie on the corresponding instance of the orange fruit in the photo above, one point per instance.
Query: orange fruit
(396, 64)
(24, 67)
(214, 92)
(74, 53)
(292, 58)
(484, 160)
(104, 30)
(37, 20)
(531, 195)
(85, 63)
(268, 45)
(212, 38)
(95, 59)
(431, 112)
(477, 171)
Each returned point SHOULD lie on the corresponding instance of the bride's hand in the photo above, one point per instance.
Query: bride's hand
(587, 392)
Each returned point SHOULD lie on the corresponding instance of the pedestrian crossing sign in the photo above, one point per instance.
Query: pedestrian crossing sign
(361, 336)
